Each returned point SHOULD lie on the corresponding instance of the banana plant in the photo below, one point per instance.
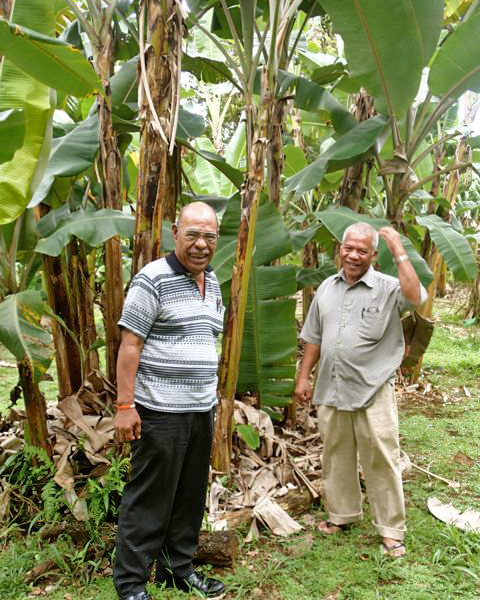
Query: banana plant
(267, 362)
(32, 61)
(31, 64)
(22, 331)
(97, 24)
(387, 47)
(238, 23)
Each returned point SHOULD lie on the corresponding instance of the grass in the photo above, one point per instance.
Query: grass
(442, 562)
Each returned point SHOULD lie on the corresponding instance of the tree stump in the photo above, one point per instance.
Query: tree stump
(218, 548)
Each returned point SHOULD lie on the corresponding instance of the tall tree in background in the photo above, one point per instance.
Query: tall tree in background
(159, 105)
(98, 26)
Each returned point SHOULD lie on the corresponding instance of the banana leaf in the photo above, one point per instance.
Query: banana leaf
(22, 333)
(234, 175)
(387, 44)
(456, 67)
(21, 91)
(267, 363)
(93, 227)
(312, 97)
(353, 146)
(48, 59)
(206, 69)
(271, 238)
(71, 154)
(311, 276)
(454, 248)
(12, 132)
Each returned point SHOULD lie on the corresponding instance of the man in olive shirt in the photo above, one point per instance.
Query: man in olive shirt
(353, 330)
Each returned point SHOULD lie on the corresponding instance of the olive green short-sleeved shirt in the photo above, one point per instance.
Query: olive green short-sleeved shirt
(359, 331)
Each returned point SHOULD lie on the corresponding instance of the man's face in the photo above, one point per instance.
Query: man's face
(356, 255)
(193, 246)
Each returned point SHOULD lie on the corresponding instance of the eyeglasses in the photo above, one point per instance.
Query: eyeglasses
(192, 235)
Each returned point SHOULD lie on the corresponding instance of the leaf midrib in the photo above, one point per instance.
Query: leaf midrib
(376, 57)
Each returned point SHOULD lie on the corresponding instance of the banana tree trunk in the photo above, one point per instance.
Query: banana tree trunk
(159, 170)
(5, 8)
(426, 310)
(310, 250)
(309, 261)
(232, 340)
(83, 297)
(474, 301)
(353, 190)
(276, 159)
(67, 355)
(112, 198)
(36, 409)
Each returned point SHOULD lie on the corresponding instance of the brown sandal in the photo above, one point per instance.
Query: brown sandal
(387, 550)
(329, 524)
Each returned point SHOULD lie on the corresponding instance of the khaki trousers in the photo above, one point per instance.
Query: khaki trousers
(373, 433)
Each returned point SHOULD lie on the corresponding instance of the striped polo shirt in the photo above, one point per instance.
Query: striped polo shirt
(178, 365)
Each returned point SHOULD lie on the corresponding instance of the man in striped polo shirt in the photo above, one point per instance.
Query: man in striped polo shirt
(167, 379)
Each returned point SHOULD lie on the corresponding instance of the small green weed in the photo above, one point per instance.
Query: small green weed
(103, 494)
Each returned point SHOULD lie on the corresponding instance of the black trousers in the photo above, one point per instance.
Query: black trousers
(164, 500)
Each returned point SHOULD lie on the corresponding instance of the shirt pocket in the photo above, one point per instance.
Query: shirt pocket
(372, 323)
(215, 311)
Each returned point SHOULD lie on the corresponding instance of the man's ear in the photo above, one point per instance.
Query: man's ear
(174, 230)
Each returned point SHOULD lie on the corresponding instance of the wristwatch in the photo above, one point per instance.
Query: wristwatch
(401, 258)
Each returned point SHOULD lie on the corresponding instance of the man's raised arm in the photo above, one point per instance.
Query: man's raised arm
(409, 282)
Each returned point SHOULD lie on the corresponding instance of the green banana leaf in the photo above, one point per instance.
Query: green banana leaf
(271, 238)
(295, 160)
(248, 434)
(71, 154)
(206, 69)
(312, 97)
(93, 227)
(235, 175)
(338, 219)
(235, 152)
(454, 248)
(123, 83)
(21, 332)
(267, 363)
(12, 132)
(310, 276)
(48, 59)
(20, 91)
(456, 67)
(48, 224)
(190, 125)
(355, 145)
(387, 44)
(301, 237)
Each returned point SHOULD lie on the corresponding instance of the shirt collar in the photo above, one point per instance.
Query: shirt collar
(368, 278)
(179, 267)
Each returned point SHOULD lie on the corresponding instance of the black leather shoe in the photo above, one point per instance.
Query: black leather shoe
(211, 588)
(140, 596)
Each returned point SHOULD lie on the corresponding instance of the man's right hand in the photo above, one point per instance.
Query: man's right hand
(303, 391)
(128, 426)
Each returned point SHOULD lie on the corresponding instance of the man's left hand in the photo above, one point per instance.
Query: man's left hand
(393, 240)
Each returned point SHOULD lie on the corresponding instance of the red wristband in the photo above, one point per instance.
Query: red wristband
(125, 406)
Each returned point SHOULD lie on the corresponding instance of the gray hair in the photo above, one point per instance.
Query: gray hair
(362, 228)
